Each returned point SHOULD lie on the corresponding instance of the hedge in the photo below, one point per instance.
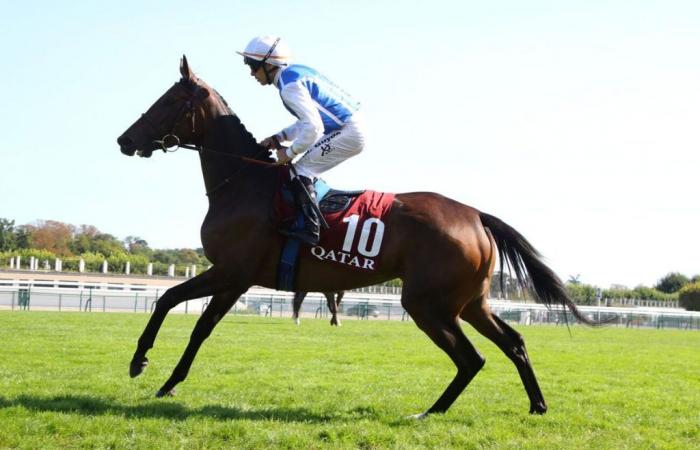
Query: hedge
(689, 296)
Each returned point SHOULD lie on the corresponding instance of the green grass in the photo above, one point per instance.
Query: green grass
(262, 383)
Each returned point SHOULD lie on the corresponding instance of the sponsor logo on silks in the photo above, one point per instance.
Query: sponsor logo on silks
(342, 257)
(325, 143)
(367, 247)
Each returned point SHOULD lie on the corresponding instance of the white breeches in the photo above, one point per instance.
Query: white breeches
(333, 148)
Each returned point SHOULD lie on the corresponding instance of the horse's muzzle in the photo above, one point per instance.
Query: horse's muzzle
(126, 145)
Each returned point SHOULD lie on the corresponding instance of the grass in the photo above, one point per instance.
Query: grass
(265, 383)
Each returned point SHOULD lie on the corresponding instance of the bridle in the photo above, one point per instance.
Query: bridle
(170, 142)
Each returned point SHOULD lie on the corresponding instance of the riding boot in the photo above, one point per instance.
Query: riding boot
(309, 234)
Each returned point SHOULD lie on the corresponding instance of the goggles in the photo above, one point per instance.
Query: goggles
(253, 63)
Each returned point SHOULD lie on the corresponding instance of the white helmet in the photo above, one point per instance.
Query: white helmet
(267, 49)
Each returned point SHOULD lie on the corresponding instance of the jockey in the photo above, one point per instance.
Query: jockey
(328, 129)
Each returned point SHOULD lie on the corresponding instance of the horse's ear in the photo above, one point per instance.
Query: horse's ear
(185, 70)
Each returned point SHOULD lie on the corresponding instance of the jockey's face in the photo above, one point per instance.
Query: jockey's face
(259, 74)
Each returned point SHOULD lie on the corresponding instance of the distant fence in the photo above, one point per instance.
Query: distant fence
(375, 304)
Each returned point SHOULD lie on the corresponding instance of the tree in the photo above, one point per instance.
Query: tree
(511, 287)
(82, 240)
(53, 236)
(137, 246)
(7, 234)
(574, 280)
(672, 282)
(689, 296)
(23, 237)
(582, 294)
(107, 245)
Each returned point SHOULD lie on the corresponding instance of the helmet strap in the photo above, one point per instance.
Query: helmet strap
(264, 60)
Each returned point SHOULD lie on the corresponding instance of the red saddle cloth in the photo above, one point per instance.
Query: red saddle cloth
(356, 233)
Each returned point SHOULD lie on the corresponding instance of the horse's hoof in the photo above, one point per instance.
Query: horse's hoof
(162, 393)
(137, 366)
(420, 416)
(538, 408)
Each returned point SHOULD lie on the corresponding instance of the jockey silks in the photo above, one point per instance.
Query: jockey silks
(319, 104)
(334, 104)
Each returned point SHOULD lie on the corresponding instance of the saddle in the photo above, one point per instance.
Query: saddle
(330, 201)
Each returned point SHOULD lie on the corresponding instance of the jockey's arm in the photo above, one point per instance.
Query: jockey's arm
(308, 128)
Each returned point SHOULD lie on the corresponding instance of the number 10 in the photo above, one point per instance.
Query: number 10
(364, 235)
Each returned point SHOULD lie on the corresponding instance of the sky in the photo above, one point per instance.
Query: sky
(576, 122)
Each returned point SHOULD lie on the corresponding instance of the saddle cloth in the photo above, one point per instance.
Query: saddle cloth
(354, 239)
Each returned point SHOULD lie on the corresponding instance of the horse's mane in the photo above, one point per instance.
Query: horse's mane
(247, 144)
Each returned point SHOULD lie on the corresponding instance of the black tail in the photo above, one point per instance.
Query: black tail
(526, 262)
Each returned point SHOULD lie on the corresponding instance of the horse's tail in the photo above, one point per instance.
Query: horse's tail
(526, 263)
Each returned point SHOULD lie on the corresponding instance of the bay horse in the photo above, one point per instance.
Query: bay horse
(444, 251)
(332, 300)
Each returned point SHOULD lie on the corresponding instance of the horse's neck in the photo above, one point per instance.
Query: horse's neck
(225, 142)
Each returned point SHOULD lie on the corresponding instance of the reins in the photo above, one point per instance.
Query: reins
(201, 149)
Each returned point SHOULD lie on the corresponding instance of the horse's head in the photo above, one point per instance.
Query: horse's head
(170, 121)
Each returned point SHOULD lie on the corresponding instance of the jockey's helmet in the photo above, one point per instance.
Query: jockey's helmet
(266, 49)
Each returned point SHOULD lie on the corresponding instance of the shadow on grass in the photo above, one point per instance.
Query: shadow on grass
(92, 406)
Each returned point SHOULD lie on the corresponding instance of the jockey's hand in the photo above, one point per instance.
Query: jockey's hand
(282, 157)
(271, 143)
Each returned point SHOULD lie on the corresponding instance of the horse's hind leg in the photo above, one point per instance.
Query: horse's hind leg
(296, 306)
(333, 300)
(446, 333)
(511, 343)
(219, 305)
(200, 286)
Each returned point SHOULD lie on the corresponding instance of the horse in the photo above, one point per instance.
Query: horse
(332, 300)
(442, 250)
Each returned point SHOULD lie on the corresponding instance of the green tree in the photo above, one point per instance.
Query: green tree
(575, 280)
(582, 294)
(23, 237)
(7, 234)
(107, 245)
(672, 282)
(83, 238)
(137, 246)
(689, 296)
(509, 290)
(647, 293)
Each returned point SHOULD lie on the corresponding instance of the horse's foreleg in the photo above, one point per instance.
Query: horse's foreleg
(219, 305)
(512, 344)
(200, 286)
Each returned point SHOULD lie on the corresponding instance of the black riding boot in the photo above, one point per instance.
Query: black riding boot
(310, 233)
